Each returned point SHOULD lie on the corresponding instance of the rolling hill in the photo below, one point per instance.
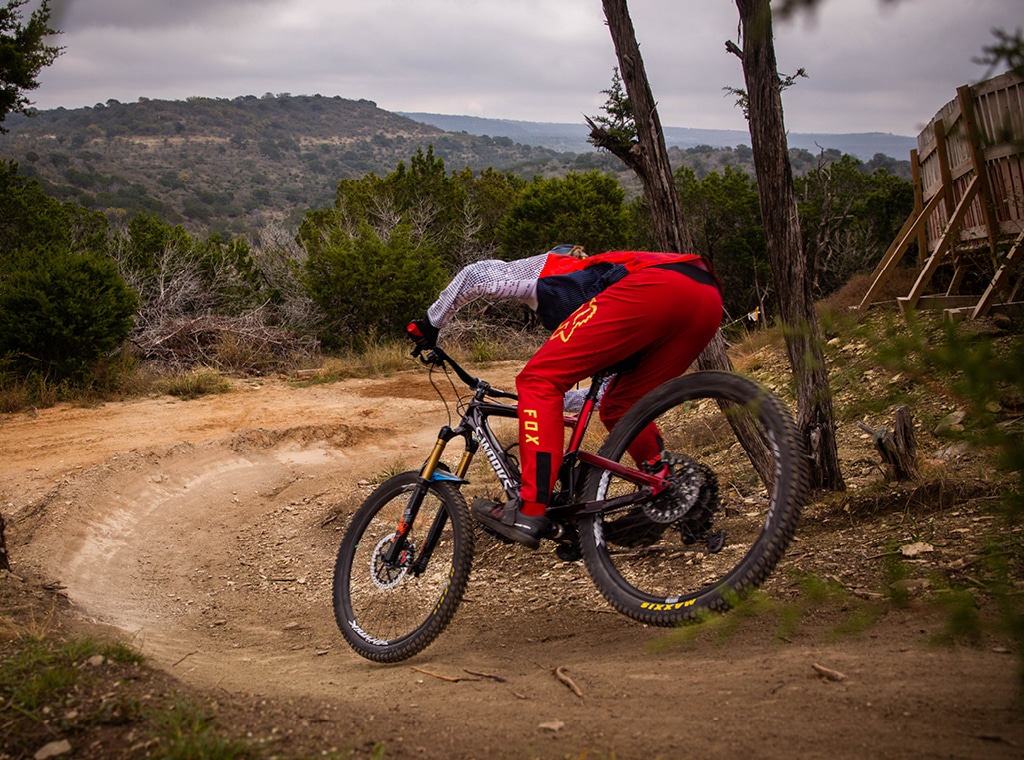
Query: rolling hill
(573, 137)
(235, 165)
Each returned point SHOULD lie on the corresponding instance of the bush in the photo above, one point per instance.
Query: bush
(367, 285)
(585, 209)
(59, 314)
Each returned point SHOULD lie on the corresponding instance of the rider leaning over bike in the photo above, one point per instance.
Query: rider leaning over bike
(649, 314)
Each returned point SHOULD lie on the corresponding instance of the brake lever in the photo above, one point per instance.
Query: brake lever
(430, 359)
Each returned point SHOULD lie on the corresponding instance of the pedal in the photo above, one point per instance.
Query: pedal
(569, 552)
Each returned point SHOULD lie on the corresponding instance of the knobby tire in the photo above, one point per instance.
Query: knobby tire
(667, 572)
(385, 614)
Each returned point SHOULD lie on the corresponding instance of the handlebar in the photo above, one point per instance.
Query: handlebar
(437, 357)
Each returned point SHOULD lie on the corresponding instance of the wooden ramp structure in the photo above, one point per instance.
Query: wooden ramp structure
(968, 218)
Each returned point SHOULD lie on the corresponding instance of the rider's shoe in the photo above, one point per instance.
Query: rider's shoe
(506, 520)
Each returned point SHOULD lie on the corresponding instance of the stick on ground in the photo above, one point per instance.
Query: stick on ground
(563, 676)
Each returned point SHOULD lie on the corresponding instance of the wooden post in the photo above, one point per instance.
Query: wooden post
(1001, 279)
(922, 235)
(944, 171)
(911, 227)
(959, 272)
(988, 210)
(945, 242)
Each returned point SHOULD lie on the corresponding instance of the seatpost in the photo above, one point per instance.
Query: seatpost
(589, 404)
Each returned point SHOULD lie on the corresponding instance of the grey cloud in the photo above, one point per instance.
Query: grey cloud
(77, 15)
(872, 66)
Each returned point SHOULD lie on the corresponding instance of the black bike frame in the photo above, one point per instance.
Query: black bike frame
(475, 430)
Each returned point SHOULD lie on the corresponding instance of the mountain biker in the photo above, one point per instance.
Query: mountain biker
(647, 314)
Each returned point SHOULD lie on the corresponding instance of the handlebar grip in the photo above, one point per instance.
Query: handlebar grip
(502, 394)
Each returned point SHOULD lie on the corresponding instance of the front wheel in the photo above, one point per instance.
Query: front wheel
(727, 518)
(391, 607)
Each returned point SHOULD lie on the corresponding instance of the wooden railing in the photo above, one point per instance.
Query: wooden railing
(968, 173)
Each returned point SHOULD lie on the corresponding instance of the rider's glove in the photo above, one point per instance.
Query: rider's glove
(423, 334)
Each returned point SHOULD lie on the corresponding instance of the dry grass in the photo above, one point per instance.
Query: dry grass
(852, 293)
(748, 354)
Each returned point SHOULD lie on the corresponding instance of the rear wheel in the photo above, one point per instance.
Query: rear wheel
(390, 609)
(724, 523)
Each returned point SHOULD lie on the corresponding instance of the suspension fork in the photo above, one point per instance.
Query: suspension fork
(428, 474)
(437, 527)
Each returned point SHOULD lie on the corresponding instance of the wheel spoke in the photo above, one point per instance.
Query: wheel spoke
(390, 610)
(721, 525)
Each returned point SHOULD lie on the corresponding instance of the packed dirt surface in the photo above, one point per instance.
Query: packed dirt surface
(206, 531)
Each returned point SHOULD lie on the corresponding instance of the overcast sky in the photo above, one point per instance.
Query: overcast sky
(872, 66)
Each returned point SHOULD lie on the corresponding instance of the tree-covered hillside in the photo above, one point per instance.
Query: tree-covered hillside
(281, 222)
(229, 165)
(218, 165)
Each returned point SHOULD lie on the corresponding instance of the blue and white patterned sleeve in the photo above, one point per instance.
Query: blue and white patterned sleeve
(498, 279)
(573, 400)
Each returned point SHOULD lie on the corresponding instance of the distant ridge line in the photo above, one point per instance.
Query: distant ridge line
(573, 137)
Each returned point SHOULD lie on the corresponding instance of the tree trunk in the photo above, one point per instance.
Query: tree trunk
(898, 450)
(815, 417)
(649, 159)
(5, 563)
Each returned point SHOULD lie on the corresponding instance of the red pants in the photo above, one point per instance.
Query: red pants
(658, 315)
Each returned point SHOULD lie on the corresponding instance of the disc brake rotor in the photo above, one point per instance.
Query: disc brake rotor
(386, 575)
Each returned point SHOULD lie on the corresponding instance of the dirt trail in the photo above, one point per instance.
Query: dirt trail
(207, 530)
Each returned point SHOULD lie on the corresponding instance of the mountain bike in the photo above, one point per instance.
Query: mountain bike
(665, 542)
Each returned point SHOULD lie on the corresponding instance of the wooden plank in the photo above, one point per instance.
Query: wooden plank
(936, 302)
(999, 103)
(959, 272)
(952, 229)
(1010, 308)
(998, 83)
(933, 302)
(1013, 186)
(1000, 279)
(946, 302)
(922, 234)
(995, 152)
(980, 168)
(946, 188)
(911, 228)
(888, 260)
(1015, 290)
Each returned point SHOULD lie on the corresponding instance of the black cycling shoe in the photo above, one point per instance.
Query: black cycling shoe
(506, 520)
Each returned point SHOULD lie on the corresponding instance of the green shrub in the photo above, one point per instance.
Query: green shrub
(60, 313)
(367, 285)
(587, 209)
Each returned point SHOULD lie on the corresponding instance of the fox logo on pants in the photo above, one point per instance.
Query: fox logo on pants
(578, 318)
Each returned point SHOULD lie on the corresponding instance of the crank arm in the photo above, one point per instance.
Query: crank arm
(607, 505)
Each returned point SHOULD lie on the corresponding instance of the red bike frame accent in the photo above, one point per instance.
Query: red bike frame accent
(578, 424)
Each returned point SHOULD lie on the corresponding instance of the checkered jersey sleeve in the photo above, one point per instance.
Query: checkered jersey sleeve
(494, 278)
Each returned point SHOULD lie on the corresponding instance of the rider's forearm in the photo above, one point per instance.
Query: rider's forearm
(498, 279)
